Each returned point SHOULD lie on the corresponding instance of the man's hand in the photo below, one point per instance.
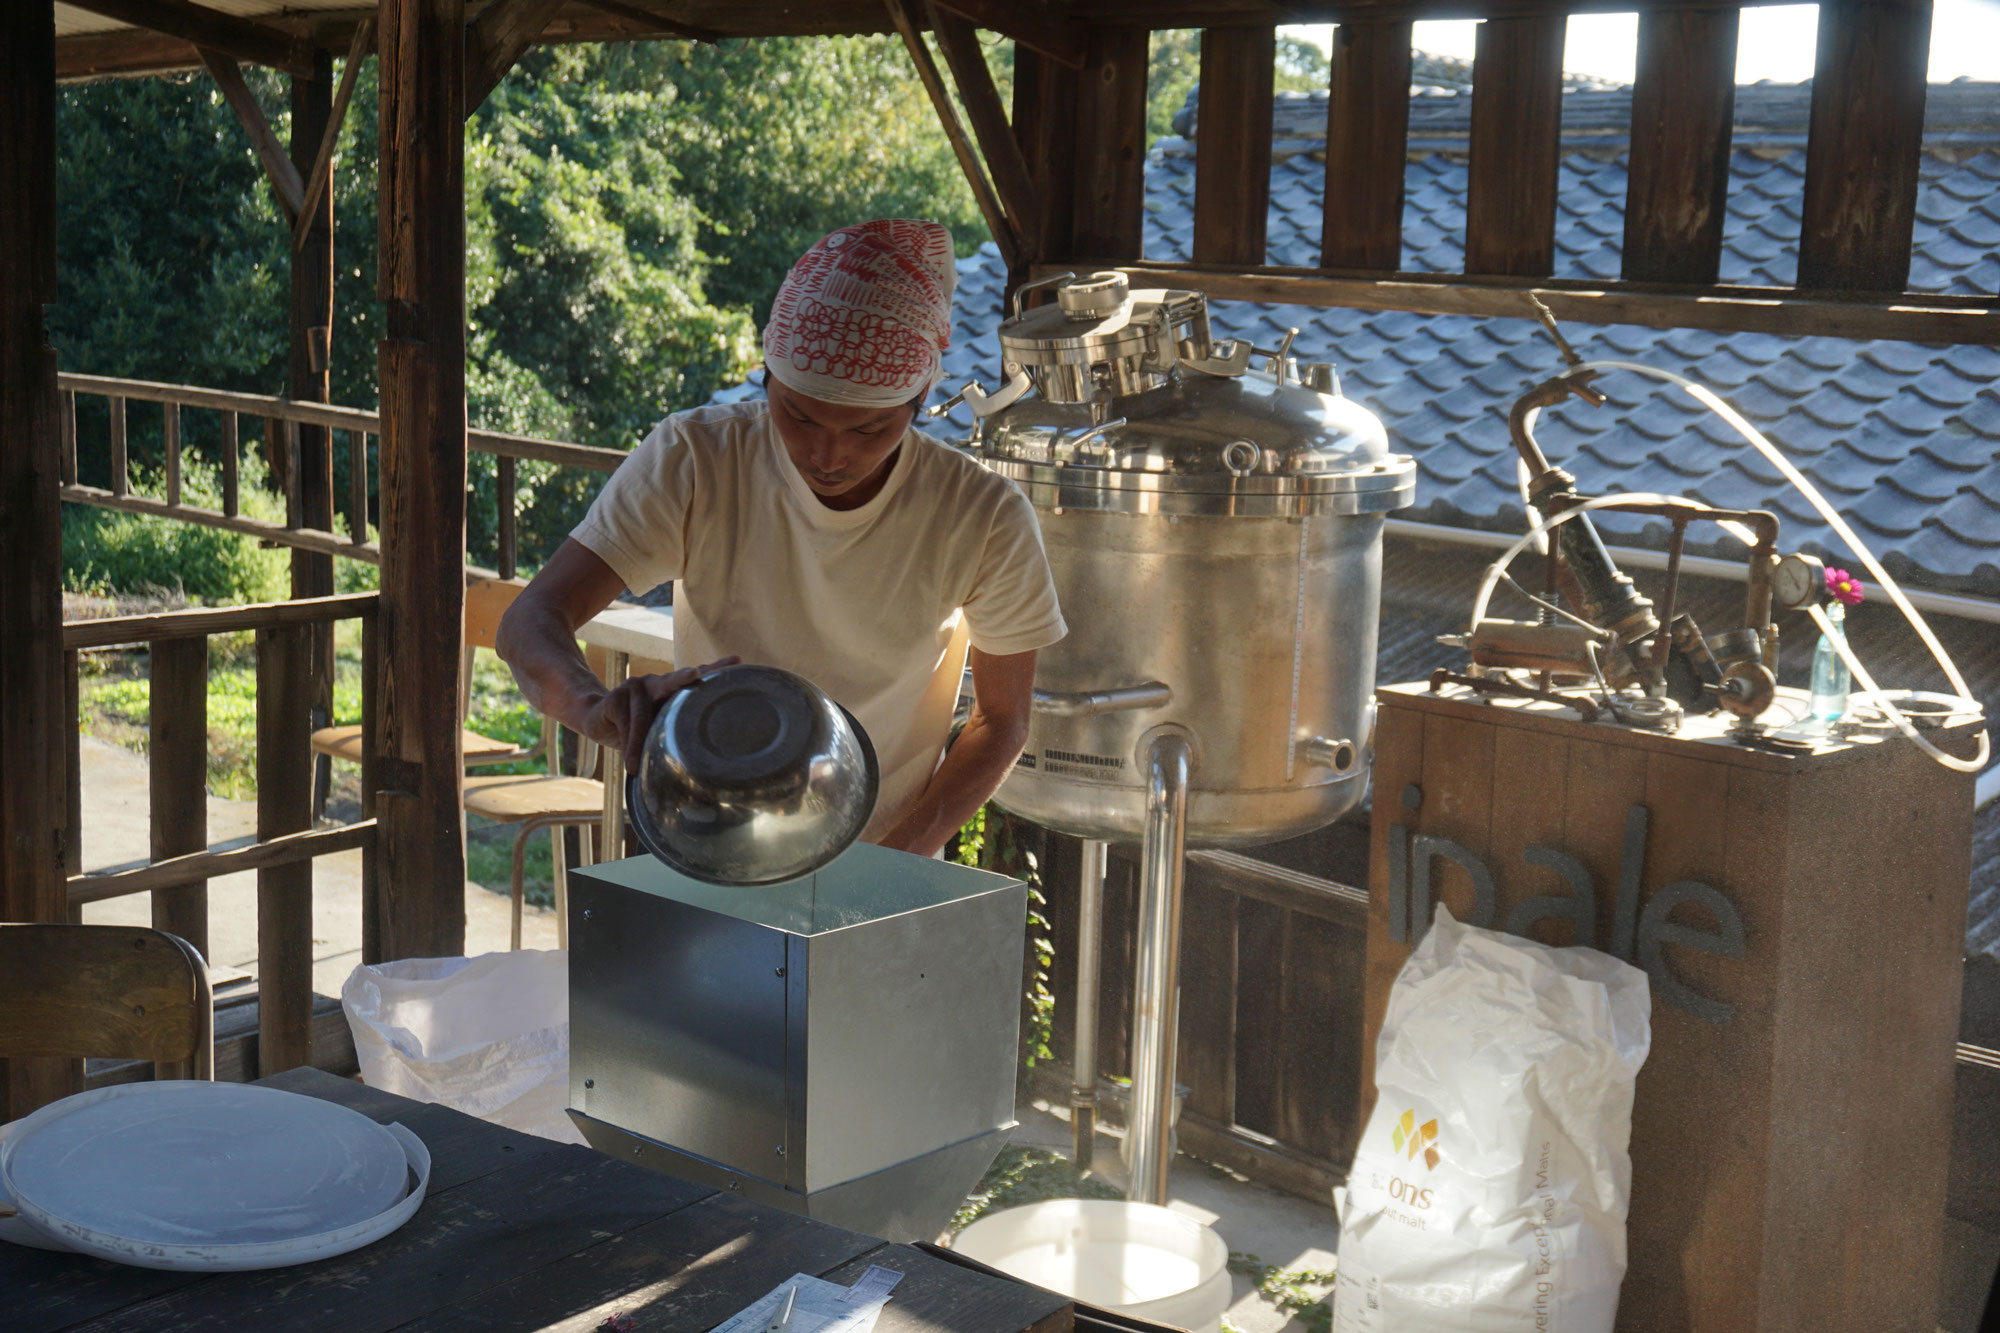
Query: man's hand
(625, 714)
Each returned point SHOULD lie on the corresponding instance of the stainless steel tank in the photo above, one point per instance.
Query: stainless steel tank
(1215, 533)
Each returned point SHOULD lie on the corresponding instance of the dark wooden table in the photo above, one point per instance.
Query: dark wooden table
(521, 1233)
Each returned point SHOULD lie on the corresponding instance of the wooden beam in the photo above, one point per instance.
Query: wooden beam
(284, 176)
(319, 176)
(1865, 145)
(1510, 198)
(637, 13)
(1035, 24)
(1683, 107)
(1111, 148)
(238, 38)
(1232, 157)
(225, 859)
(1915, 317)
(1367, 136)
(983, 193)
(966, 59)
(496, 39)
(34, 752)
(421, 370)
(200, 622)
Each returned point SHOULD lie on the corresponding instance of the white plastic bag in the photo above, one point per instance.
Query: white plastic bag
(487, 1035)
(1489, 1190)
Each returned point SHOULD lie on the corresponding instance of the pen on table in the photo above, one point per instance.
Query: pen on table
(782, 1320)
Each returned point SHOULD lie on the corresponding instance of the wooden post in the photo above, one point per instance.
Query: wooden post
(1367, 139)
(1111, 147)
(1510, 198)
(1864, 146)
(284, 805)
(1232, 147)
(1683, 106)
(308, 377)
(34, 754)
(421, 262)
(177, 772)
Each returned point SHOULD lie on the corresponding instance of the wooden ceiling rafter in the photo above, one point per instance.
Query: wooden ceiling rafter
(639, 13)
(285, 181)
(320, 179)
(240, 38)
(1035, 24)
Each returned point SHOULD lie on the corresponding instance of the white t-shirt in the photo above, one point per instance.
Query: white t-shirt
(870, 604)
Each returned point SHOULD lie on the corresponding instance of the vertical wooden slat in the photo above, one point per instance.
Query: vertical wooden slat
(1510, 204)
(1317, 1040)
(34, 779)
(1260, 935)
(503, 466)
(67, 421)
(422, 375)
(357, 486)
(281, 443)
(1045, 96)
(371, 743)
(1111, 148)
(1865, 145)
(1367, 141)
(1683, 106)
(231, 449)
(120, 482)
(177, 770)
(170, 432)
(1232, 147)
(284, 805)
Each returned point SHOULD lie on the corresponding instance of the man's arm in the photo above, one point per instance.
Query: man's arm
(1003, 690)
(537, 640)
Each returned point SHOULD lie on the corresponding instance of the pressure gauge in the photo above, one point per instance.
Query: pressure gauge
(1797, 581)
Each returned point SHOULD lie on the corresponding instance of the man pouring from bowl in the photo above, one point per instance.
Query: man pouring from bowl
(818, 531)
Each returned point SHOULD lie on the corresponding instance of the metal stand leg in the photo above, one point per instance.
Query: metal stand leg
(1156, 991)
(1089, 944)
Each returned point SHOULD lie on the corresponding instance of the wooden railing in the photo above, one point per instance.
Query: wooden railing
(182, 862)
(282, 418)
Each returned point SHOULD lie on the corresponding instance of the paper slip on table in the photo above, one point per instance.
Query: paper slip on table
(523, 1233)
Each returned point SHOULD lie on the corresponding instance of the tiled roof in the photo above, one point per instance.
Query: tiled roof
(1903, 438)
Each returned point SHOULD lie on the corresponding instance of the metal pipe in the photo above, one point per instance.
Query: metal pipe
(1089, 703)
(1156, 990)
(1089, 942)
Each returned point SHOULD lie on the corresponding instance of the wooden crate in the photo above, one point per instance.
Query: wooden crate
(1802, 918)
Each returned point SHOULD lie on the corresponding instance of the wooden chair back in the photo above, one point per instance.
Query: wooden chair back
(118, 992)
(485, 603)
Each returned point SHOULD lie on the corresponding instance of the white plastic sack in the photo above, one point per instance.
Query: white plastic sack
(487, 1035)
(1489, 1190)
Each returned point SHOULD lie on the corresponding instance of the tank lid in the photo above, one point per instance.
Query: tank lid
(1101, 318)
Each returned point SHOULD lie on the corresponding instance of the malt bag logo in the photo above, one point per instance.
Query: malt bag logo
(1414, 1140)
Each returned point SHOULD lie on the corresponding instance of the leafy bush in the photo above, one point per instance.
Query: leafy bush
(108, 552)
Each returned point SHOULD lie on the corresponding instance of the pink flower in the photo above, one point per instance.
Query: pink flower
(1843, 587)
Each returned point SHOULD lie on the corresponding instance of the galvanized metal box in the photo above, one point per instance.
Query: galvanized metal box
(843, 1044)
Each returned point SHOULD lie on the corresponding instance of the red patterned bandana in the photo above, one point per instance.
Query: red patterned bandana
(864, 317)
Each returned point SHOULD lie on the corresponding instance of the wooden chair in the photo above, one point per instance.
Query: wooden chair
(485, 603)
(531, 803)
(121, 992)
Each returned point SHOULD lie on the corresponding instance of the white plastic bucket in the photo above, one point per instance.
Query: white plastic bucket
(1139, 1258)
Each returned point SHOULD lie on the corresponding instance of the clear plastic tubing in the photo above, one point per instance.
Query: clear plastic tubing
(1702, 394)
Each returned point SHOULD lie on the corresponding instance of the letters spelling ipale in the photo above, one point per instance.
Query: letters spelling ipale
(1633, 931)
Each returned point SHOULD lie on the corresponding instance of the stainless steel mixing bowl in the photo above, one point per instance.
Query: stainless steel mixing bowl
(752, 775)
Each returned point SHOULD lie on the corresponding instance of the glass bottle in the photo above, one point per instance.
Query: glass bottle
(1830, 677)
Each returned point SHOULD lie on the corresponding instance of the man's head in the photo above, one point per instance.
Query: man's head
(855, 342)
